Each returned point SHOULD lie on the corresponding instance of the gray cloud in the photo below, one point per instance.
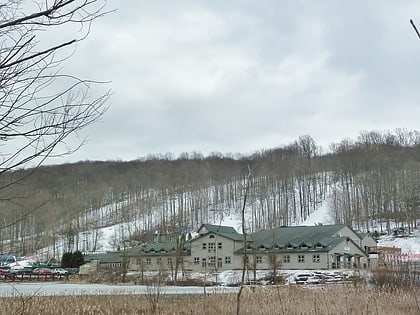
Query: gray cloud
(238, 76)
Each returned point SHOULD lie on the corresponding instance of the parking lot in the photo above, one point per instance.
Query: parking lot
(34, 274)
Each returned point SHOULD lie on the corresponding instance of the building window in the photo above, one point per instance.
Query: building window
(148, 261)
(203, 263)
(204, 246)
(219, 245)
(169, 261)
(228, 260)
(219, 262)
(159, 260)
(286, 259)
(316, 259)
(212, 247)
(196, 260)
(301, 258)
(211, 236)
(212, 261)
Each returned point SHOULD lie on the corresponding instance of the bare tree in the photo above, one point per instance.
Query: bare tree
(40, 105)
(415, 28)
(245, 258)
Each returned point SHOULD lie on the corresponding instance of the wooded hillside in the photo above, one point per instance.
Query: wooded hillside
(374, 178)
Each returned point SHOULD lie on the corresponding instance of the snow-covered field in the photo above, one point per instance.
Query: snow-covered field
(109, 236)
(409, 244)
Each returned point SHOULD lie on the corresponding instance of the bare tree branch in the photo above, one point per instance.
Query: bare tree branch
(415, 28)
(40, 106)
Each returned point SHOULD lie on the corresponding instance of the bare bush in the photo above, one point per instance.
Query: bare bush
(392, 280)
(290, 300)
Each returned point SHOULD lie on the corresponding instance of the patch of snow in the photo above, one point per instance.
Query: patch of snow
(320, 215)
(409, 244)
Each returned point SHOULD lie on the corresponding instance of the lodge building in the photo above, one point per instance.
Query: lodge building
(222, 248)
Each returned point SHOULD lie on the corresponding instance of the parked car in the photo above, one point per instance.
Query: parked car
(308, 278)
(20, 271)
(315, 279)
(333, 277)
(302, 277)
(60, 271)
(42, 271)
(3, 271)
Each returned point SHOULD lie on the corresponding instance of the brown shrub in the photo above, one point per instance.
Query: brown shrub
(290, 300)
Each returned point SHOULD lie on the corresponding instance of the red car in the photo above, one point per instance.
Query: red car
(42, 271)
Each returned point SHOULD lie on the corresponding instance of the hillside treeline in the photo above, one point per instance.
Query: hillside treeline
(370, 180)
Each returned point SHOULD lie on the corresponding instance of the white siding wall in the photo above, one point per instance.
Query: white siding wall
(307, 260)
(219, 256)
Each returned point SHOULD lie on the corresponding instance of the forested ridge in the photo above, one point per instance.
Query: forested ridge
(374, 178)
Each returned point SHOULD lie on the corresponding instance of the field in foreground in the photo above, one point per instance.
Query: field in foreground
(264, 300)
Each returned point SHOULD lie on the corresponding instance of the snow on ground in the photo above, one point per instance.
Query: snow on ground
(321, 215)
(409, 244)
(230, 219)
(109, 237)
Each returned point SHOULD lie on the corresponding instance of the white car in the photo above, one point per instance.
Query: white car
(302, 277)
(60, 271)
(313, 280)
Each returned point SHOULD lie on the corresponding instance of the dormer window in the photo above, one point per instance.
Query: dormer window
(319, 245)
(289, 246)
(304, 246)
(211, 236)
(203, 230)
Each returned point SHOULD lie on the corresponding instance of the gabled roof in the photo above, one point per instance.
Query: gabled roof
(363, 235)
(105, 258)
(225, 231)
(296, 235)
(164, 248)
(326, 245)
(319, 238)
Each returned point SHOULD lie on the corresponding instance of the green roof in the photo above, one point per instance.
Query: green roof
(295, 236)
(160, 249)
(297, 239)
(323, 246)
(105, 258)
(225, 231)
(362, 235)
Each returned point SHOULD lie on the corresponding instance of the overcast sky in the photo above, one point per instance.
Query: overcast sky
(240, 76)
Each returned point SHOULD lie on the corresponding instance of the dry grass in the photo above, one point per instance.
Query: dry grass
(265, 300)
